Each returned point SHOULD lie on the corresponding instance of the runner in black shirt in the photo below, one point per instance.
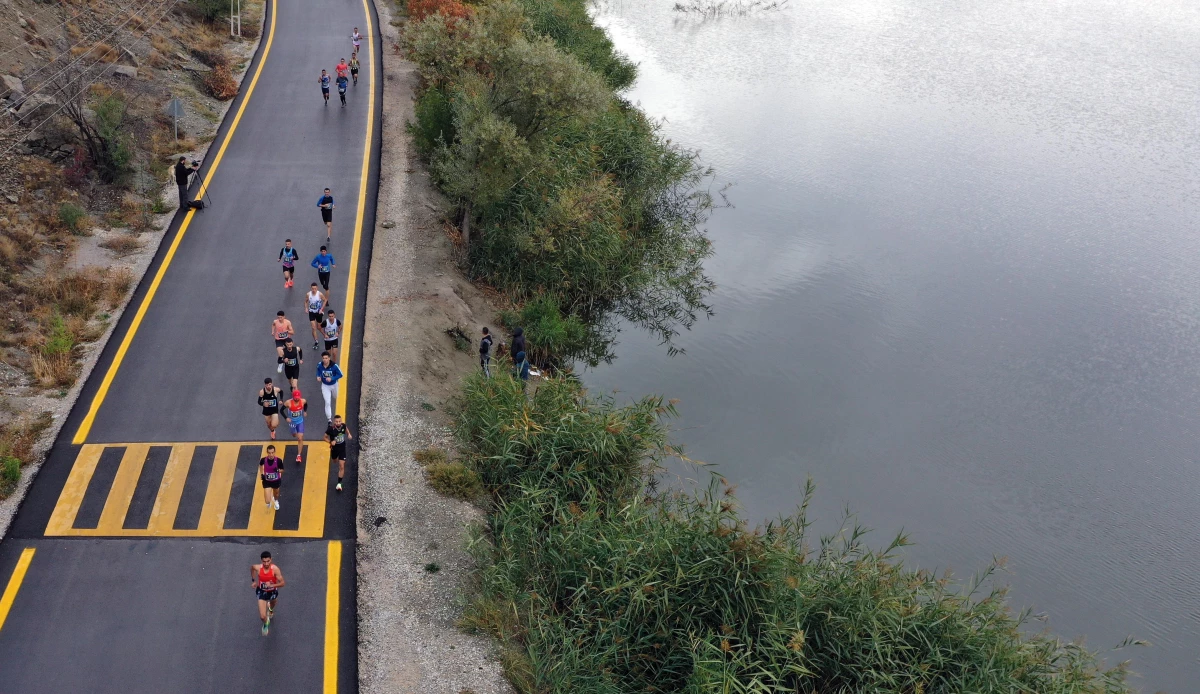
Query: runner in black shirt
(269, 399)
(336, 436)
(293, 357)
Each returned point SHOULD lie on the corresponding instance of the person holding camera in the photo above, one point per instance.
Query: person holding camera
(183, 176)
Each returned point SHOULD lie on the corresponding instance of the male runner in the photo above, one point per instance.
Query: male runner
(325, 202)
(342, 69)
(332, 330)
(354, 68)
(288, 256)
(314, 301)
(336, 436)
(356, 39)
(272, 476)
(293, 357)
(266, 579)
(325, 80)
(324, 264)
(294, 408)
(281, 330)
(328, 374)
(269, 398)
(341, 82)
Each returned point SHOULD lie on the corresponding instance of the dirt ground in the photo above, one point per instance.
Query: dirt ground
(408, 641)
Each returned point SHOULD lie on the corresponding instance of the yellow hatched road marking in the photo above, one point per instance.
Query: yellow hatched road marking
(14, 583)
(121, 492)
(170, 490)
(220, 484)
(76, 486)
(262, 516)
(316, 488)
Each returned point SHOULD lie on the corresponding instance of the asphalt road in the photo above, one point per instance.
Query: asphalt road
(143, 537)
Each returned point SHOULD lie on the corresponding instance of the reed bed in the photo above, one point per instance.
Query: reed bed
(595, 581)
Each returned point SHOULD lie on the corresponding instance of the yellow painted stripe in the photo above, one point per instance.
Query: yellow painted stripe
(352, 275)
(220, 484)
(199, 532)
(332, 598)
(262, 517)
(18, 576)
(170, 491)
(86, 425)
(73, 490)
(316, 489)
(121, 492)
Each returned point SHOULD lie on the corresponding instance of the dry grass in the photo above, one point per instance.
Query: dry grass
(219, 83)
(429, 456)
(99, 51)
(54, 371)
(122, 245)
(160, 44)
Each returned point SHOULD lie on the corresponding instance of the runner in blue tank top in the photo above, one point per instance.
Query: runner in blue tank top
(325, 80)
(288, 256)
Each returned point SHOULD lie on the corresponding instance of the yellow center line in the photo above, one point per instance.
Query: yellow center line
(332, 598)
(18, 576)
(352, 276)
(86, 425)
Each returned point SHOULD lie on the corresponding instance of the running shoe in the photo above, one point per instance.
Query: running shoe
(272, 434)
(277, 504)
(298, 460)
(339, 486)
(316, 346)
(279, 369)
(265, 629)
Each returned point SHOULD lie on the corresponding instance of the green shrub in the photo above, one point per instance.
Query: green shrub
(210, 10)
(454, 480)
(427, 456)
(596, 582)
(10, 469)
(549, 332)
(568, 23)
(434, 122)
(73, 217)
(112, 154)
(59, 340)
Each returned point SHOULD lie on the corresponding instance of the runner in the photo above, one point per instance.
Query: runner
(269, 398)
(354, 68)
(294, 408)
(324, 264)
(336, 436)
(266, 579)
(328, 374)
(356, 39)
(293, 357)
(325, 202)
(325, 80)
(342, 69)
(332, 330)
(281, 330)
(288, 256)
(272, 477)
(341, 82)
(314, 301)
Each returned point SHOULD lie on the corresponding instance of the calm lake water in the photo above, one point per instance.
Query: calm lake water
(960, 287)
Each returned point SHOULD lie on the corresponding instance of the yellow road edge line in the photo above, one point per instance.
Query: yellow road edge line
(262, 517)
(332, 598)
(71, 496)
(352, 276)
(170, 490)
(120, 494)
(316, 490)
(220, 486)
(85, 426)
(221, 532)
(18, 577)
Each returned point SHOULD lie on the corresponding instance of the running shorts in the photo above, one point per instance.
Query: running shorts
(289, 268)
(325, 90)
(281, 343)
(323, 278)
(337, 452)
(267, 595)
(331, 344)
(326, 215)
(270, 411)
(291, 372)
(296, 427)
(271, 484)
(353, 71)
(314, 317)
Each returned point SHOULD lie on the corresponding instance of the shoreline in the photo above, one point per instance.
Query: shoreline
(409, 640)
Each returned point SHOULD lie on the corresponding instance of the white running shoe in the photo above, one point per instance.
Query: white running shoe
(279, 369)
(277, 504)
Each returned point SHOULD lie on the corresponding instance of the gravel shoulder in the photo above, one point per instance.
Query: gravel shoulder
(408, 641)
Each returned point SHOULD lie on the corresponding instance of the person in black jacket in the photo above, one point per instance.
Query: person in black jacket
(485, 352)
(183, 174)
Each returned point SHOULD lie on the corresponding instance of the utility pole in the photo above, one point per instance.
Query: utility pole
(235, 17)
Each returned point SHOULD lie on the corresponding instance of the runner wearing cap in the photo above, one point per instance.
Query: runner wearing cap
(294, 409)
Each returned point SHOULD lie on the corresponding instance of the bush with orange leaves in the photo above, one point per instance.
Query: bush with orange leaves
(450, 9)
